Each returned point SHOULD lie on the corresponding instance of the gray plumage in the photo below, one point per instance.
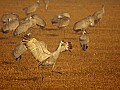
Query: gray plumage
(98, 15)
(61, 20)
(11, 16)
(83, 24)
(42, 55)
(84, 40)
(10, 26)
(19, 50)
(21, 47)
(64, 22)
(54, 20)
(32, 8)
(39, 21)
(24, 26)
(40, 52)
(62, 15)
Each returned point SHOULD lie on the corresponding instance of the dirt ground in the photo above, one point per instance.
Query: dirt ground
(98, 68)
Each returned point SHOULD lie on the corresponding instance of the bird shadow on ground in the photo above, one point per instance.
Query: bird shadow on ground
(6, 62)
(52, 34)
(70, 38)
(52, 29)
(2, 38)
(11, 42)
(21, 79)
(49, 29)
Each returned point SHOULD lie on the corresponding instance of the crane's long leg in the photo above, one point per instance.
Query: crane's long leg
(64, 32)
(18, 58)
(42, 74)
(55, 71)
(53, 67)
(42, 67)
(99, 22)
(46, 6)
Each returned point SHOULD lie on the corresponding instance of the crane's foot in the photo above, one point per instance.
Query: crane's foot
(56, 72)
(42, 79)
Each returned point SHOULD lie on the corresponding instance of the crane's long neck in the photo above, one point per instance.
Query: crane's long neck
(103, 11)
(57, 52)
(30, 21)
(37, 3)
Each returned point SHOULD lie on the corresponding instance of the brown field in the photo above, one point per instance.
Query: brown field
(98, 68)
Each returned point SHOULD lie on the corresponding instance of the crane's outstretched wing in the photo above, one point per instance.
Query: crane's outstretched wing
(38, 49)
(19, 50)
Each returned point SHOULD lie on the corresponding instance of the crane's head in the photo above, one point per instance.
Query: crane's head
(27, 37)
(91, 20)
(62, 15)
(38, 1)
(28, 18)
(9, 19)
(66, 15)
(65, 46)
(83, 32)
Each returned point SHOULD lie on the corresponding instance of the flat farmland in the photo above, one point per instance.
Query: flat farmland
(97, 68)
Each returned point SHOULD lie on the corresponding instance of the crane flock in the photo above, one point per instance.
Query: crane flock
(12, 22)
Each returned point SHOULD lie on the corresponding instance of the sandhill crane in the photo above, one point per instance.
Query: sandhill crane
(84, 40)
(21, 47)
(11, 25)
(19, 50)
(64, 22)
(56, 19)
(46, 4)
(24, 26)
(32, 8)
(42, 55)
(39, 21)
(12, 16)
(98, 15)
(61, 20)
(83, 24)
